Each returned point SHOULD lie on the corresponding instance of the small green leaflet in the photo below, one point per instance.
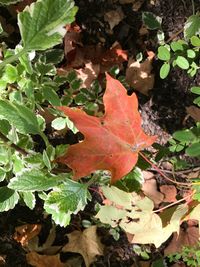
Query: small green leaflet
(29, 199)
(192, 26)
(19, 116)
(42, 23)
(8, 198)
(135, 215)
(164, 70)
(151, 21)
(34, 180)
(66, 199)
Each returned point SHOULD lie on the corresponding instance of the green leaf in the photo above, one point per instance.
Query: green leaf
(176, 46)
(29, 199)
(195, 41)
(54, 56)
(11, 74)
(66, 199)
(8, 198)
(163, 53)
(9, 2)
(34, 180)
(59, 123)
(19, 116)
(195, 90)
(182, 62)
(192, 26)
(51, 95)
(151, 21)
(1, 29)
(164, 70)
(197, 101)
(46, 160)
(191, 53)
(184, 136)
(193, 150)
(41, 24)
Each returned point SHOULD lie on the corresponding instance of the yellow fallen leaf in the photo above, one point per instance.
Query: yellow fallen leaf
(139, 76)
(85, 243)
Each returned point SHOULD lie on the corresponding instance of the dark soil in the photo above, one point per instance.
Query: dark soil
(163, 113)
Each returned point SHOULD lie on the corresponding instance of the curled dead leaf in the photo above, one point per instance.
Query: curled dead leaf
(150, 188)
(194, 112)
(85, 243)
(26, 232)
(139, 76)
(169, 192)
(114, 17)
(186, 237)
(37, 260)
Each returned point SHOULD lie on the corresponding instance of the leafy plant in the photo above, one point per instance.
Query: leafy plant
(189, 255)
(183, 53)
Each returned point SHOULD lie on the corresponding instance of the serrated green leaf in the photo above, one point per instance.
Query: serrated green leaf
(192, 26)
(46, 160)
(41, 24)
(34, 180)
(163, 53)
(51, 95)
(11, 74)
(193, 150)
(8, 198)
(19, 116)
(151, 21)
(66, 199)
(54, 56)
(182, 62)
(29, 199)
(164, 70)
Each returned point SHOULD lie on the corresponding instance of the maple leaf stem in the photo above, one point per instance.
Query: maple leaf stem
(174, 203)
(161, 173)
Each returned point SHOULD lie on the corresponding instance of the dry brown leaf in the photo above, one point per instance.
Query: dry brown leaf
(194, 112)
(179, 264)
(139, 76)
(85, 243)
(88, 74)
(47, 247)
(37, 260)
(169, 192)
(136, 3)
(114, 17)
(72, 38)
(186, 237)
(150, 190)
(26, 232)
(142, 264)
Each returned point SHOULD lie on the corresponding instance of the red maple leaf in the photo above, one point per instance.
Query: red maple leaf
(111, 142)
